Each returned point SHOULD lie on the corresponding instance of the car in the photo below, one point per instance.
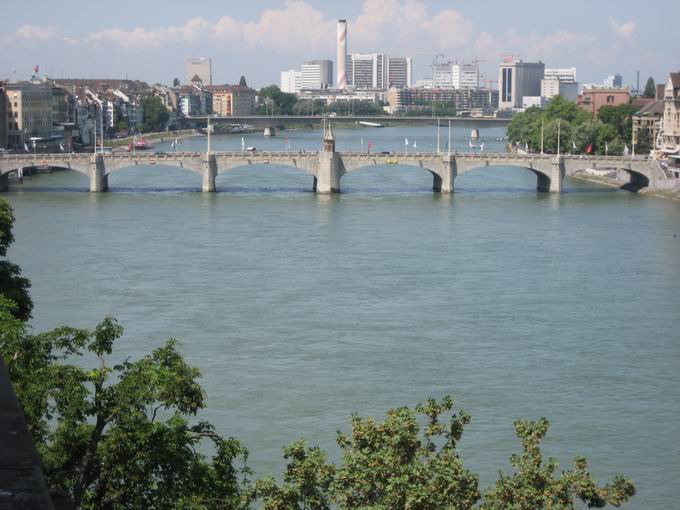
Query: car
(251, 149)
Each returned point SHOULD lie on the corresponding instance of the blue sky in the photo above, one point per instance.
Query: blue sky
(150, 39)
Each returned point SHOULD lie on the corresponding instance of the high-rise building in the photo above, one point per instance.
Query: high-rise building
(366, 70)
(452, 75)
(399, 72)
(342, 54)
(465, 76)
(291, 81)
(560, 82)
(614, 81)
(201, 67)
(563, 74)
(378, 71)
(317, 74)
(518, 79)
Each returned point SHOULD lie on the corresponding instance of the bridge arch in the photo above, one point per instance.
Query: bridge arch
(548, 175)
(385, 166)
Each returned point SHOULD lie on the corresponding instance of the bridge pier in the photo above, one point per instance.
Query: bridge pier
(99, 181)
(443, 180)
(4, 182)
(553, 182)
(209, 173)
(330, 172)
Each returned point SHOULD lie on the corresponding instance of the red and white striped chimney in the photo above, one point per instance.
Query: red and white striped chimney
(342, 54)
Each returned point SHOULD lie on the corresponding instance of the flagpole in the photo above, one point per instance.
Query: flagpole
(542, 126)
(438, 136)
(559, 126)
(449, 137)
(208, 135)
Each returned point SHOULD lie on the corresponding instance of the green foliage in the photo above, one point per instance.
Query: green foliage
(392, 465)
(534, 485)
(119, 435)
(155, 116)
(644, 143)
(621, 117)
(283, 101)
(612, 126)
(242, 82)
(306, 481)
(12, 285)
(650, 88)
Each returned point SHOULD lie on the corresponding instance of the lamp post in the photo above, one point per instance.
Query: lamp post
(449, 137)
(438, 137)
(559, 126)
(542, 129)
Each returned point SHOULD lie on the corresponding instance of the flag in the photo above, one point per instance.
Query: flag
(26, 147)
(606, 146)
(61, 147)
(526, 147)
(36, 69)
(481, 147)
(625, 150)
(405, 141)
(243, 144)
(172, 145)
(589, 150)
(415, 144)
(573, 144)
(370, 146)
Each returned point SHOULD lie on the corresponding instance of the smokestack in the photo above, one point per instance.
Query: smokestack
(342, 54)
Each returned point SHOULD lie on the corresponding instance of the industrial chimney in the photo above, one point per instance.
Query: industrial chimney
(342, 54)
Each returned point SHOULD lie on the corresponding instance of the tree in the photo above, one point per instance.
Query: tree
(175, 82)
(621, 117)
(156, 115)
(534, 485)
(242, 82)
(13, 286)
(650, 88)
(644, 142)
(283, 101)
(119, 435)
(392, 465)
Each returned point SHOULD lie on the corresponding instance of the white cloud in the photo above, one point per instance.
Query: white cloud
(33, 33)
(384, 25)
(622, 30)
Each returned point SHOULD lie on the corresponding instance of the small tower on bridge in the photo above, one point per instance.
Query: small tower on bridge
(328, 139)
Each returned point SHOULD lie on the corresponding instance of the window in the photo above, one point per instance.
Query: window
(610, 99)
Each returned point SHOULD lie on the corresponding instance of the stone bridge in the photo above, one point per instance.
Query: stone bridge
(328, 167)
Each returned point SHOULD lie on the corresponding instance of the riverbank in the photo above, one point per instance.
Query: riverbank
(154, 137)
(613, 182)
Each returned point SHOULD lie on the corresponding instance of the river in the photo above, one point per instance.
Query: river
(301, 309)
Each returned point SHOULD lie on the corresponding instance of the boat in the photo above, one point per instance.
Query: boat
(139, 145)
(370, 124)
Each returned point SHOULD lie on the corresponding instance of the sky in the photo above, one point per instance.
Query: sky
(150, 40)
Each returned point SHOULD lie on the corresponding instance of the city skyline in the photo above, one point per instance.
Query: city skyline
(260, 42)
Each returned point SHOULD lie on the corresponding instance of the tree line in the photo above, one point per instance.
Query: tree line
(127, 435)
(609, 132)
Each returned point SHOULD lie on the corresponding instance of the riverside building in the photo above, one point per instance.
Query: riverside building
(518, 79)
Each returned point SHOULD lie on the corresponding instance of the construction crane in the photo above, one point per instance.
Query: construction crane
(435, 57)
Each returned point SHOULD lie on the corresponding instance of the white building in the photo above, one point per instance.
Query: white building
(317, 74)
(378, 71)
(291, 81)
(518, 79)
(564, 74)
(201, 67)
(399, 72)
(452, 75)
(614, 82)
(553, 87)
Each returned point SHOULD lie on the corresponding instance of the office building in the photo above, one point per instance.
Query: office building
(317, 74)
(614, 82)
(553, 87)
(452, 75)
(201, 68)
(564, 74)
(518, 79)
(378, 71)
(291, 81)
(399, 72)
